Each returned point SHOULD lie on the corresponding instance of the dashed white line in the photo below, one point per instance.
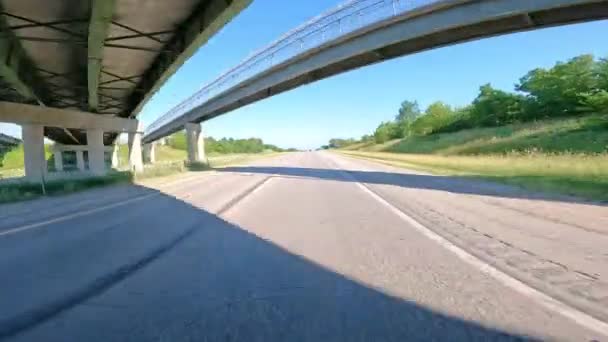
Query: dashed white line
(74, 215)
(98, 209)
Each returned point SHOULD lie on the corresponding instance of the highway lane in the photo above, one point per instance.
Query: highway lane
(289, 248)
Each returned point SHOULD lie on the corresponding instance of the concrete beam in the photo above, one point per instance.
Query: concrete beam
(23, 114)
(101, 18)
(62, 147)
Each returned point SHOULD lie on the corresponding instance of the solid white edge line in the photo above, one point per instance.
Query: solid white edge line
(548, 302)
(74, 215)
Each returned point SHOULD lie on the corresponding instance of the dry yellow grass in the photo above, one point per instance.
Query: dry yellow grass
(573, 174)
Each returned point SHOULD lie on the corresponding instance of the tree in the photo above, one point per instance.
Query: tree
(602, 73)
(437, 116)
(559, 90)
(494, 107)
(224, 145)
(340, 143)
(367, 138)
(597, 101)
(387, 131)
(409, 111)
(439, 110)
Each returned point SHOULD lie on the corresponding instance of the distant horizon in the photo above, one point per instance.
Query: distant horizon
(352, 104)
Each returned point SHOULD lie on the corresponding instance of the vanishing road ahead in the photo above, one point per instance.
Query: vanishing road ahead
(304, 247)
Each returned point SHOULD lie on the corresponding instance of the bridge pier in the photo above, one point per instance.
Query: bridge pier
(33, 151)
(96, 152)
(80, 161)
(58, 158)
(136, 163)
(115, 156)
(150, 153)
(196, 143)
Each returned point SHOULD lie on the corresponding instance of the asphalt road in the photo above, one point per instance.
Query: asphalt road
(304, 247)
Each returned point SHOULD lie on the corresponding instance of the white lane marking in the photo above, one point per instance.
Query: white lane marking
(550, 303)
(98, 209)
(179, 181)
(74, 215)
(110, 206)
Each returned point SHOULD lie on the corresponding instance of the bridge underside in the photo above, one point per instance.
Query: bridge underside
(428, 28)
(105, 57)
(500, 26)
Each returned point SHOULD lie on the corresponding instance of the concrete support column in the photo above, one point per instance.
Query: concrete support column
(150, 153)
(33, 150)
(115, 155)
(196, 143)
(58, 157)
(135, 156)
(97, 164)
(80, 161)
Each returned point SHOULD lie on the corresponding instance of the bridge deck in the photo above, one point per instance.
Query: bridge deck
(373, 31)
(101, 56)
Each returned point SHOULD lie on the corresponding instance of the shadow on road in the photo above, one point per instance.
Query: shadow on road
(213, 280)
(454, 184)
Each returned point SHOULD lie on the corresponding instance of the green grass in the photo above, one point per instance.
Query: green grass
(575, 135)
(23, 191)
(580, 175)
(169, 161)
(167, 153)
(13, 158)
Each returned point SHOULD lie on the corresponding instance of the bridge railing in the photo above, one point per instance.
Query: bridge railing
(346, 18)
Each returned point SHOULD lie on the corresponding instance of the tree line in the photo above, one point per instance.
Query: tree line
(225, 145)
(578, 86)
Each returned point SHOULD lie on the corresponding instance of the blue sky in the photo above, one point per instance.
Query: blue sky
(354, 103)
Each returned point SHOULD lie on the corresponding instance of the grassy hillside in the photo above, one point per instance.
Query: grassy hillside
(576, 135)
(567, 156)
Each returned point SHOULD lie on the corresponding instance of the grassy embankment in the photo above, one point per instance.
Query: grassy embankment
(169, 161)
(567, 156)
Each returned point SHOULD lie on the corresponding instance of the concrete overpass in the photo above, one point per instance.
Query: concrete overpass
(79, 72)
(360, 33)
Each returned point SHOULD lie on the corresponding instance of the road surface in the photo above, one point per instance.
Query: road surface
(304, 247)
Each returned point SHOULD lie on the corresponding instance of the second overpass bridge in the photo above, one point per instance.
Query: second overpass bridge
(359, 33)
